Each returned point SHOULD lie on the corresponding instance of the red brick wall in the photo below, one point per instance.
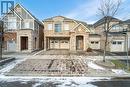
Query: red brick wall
(10, 36)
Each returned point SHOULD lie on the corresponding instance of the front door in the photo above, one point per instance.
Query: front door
(79, 42)
(24, 43)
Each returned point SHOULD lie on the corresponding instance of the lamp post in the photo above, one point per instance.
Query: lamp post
(127, 51)
(1, 37)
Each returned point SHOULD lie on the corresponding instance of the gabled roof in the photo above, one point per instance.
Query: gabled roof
(127, 21)
(26, 11)
(94, 35)
(115, 33)
(87, 29)
(29, 13)
(102, 21)
(68, 19)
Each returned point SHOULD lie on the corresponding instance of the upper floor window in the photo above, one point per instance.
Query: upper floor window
(58, 27)
(117, 27)
(66, 26)
(26, 25)
(49, 26)
(12, 23)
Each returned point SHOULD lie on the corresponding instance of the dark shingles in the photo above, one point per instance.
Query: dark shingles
(102, 21)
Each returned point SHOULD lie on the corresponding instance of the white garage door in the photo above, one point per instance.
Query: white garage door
(95, 44)
(11, 46)
(117, 46)
(59, 44)
(64, 44)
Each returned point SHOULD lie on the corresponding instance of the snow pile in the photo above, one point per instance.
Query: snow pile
(61, 81)
(95, 66)
(11, 66)
(37, 84)
(119, 71)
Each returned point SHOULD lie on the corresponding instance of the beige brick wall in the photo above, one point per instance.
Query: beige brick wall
(27, 33)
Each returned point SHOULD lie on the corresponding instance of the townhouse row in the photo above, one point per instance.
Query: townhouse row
(23, 32)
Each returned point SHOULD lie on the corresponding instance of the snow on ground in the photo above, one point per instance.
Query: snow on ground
(95, 66)
(119, 71)
(36, 84)
(63, 81)
(10, 66)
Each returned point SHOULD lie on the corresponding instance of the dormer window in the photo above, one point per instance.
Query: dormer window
(58, 27)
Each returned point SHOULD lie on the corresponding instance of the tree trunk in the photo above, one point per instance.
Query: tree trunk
(105, 46)
(106, 38)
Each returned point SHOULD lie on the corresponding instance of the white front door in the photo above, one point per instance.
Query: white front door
(117, 46)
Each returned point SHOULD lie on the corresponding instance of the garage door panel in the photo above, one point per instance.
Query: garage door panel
(117, 46)
(59, 44)
(64, 44)
(95, 45)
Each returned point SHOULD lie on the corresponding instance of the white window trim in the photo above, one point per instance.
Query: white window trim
(66, 26)
(50, 26)
(26, 25)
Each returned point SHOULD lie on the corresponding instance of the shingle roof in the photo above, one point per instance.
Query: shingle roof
(29, 13)
(115, 33)
(127, 21)
(102, 21)
(69, 19)
(96, 35)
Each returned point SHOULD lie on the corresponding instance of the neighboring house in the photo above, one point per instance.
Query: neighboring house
(116, 38)
(65, 33)
(22, 32)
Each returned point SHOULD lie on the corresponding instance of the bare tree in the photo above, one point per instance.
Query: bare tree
(108, 9)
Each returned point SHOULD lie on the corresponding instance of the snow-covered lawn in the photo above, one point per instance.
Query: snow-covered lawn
(10, 66)
(92, 65)
(119, 71)
(95, 66)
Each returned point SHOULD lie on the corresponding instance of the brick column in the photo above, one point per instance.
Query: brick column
(45, 43)
(86, 41)
(73, 42)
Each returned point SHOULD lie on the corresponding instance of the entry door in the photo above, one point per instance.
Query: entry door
(11, 46)
(79, 42)
(80, 45)
(24, 43)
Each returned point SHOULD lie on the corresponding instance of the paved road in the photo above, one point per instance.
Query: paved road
(116, 83)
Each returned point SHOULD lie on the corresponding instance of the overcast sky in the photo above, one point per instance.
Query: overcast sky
(83, 10)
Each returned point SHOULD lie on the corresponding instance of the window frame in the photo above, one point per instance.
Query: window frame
(66, 27)
(58, 27)
(50, 26)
